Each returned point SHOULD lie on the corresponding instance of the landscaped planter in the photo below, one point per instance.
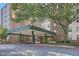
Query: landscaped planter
(74, 42)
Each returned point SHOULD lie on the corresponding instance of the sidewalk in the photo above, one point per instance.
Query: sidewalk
(59, 46)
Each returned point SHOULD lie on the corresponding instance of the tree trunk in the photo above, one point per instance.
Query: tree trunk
(65, 33)
(65, 29)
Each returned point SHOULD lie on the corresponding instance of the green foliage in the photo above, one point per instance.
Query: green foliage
(64, 12)
(30, 11)
(3, 34)
(62, 41)
(61, 13)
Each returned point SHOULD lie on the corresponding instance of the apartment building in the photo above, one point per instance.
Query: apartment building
(73, 28)
(45, 24)
(5, 15)
(73, 33)
(50, 25)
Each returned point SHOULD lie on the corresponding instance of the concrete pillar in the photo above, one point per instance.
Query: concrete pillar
(41, 41)
(45, 38)
(20, 38)
(33, 38)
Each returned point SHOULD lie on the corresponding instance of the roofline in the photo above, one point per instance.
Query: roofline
(32, 27)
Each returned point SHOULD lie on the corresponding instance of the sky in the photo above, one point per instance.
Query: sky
(2, 5)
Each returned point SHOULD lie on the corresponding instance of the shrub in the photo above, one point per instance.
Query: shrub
(62, 41)
(3, 33)
(58, 41)
(66, 41)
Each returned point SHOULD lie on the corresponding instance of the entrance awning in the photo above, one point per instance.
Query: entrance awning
(31, 27)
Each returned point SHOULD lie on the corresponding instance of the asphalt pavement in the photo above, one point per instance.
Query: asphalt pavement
(37, 50)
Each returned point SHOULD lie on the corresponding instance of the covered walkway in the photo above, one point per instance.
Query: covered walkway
(33, 29)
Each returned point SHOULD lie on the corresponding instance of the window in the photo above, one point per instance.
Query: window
(54, 24)
(5, 7)
(70, 37)
(77, 37)
(77, 28)
(77, 19)
(70, 29)
(48, 26)
(78, 11)
(5, 25)
(5, 16)
(5, 21)
(5, 11)
(55, 31)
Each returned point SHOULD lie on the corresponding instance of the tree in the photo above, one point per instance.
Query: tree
(3, 33)
(29, 12)
(64, 14)
(61, 13)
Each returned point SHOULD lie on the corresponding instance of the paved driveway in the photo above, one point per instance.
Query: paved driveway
(37, 50)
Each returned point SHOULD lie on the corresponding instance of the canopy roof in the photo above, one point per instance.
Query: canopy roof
(31, 27)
